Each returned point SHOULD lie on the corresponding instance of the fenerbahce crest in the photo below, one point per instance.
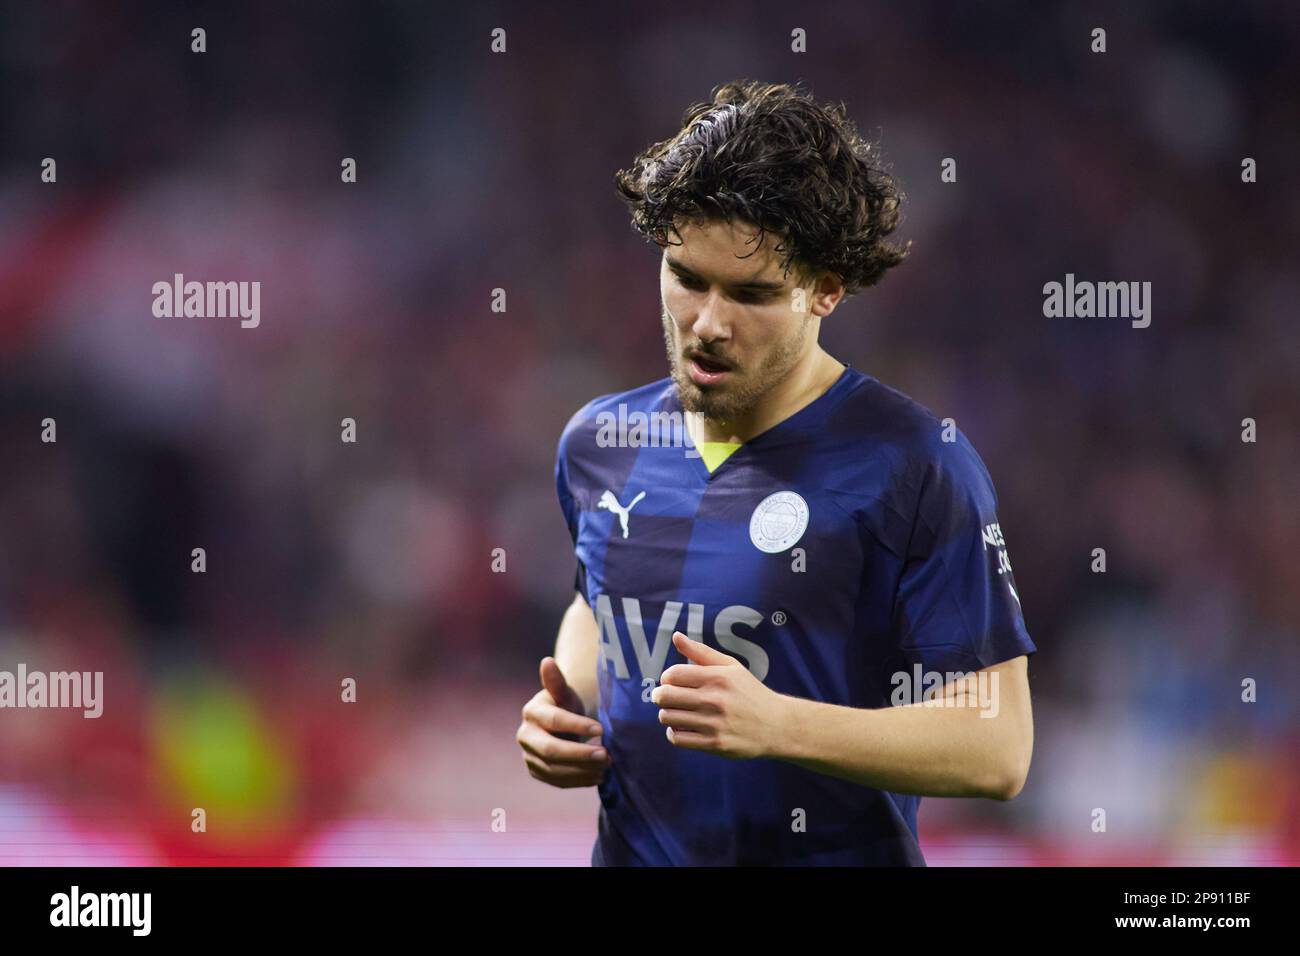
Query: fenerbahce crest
(778, 522)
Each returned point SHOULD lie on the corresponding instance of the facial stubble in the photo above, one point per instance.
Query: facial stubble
(732, 399)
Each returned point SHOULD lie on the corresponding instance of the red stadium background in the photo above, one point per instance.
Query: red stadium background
(477, 171)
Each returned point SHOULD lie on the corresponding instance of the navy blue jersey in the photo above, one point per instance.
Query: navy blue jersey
(849, 544)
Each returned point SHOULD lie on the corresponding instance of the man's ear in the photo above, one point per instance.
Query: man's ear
(827, 293)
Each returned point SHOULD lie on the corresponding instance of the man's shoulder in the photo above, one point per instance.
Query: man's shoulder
(883, 419)
(881, 437)
(613, 408)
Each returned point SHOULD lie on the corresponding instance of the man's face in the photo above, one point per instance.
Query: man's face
(729, 326)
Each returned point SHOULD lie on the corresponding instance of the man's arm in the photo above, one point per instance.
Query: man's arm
(714, 704)
(940, 751)
(557, 730)
(576, 651)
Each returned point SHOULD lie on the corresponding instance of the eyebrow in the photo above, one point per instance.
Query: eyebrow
(754, 284)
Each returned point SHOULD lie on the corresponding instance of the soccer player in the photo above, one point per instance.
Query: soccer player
(771, 610)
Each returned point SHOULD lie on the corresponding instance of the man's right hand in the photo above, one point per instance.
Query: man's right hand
(554, 727)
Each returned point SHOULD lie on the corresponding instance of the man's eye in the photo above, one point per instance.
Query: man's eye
(749, 298)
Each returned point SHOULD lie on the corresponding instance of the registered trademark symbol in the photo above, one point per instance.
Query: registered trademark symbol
(778, 618)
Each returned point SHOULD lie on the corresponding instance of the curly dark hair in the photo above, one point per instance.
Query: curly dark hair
(769, 155)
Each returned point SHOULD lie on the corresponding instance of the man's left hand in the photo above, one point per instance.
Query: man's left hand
(714, 704)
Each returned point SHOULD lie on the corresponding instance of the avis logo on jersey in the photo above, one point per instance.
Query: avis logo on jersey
(650, 658)
(775, 526)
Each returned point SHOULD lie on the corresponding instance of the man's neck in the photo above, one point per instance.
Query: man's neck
(801, 388)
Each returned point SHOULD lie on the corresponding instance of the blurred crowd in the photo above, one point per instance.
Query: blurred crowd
(373, 559)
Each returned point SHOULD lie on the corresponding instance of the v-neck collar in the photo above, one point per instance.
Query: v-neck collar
(814, 411)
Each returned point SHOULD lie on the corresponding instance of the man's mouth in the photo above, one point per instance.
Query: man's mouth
(706, 369)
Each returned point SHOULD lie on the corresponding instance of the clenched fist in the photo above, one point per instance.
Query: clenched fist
(553, 734)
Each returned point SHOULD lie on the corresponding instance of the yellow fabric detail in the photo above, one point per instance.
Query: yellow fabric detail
(715, 453)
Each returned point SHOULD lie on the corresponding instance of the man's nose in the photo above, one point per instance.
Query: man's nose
(711, 322)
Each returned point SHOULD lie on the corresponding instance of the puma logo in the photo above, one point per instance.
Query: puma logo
(610, 503)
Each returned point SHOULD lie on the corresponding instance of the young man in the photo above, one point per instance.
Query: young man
(760, 608)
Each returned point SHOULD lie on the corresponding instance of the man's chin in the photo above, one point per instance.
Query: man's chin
(689, 395)
(714, 403)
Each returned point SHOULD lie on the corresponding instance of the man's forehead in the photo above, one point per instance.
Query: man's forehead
(726, 252)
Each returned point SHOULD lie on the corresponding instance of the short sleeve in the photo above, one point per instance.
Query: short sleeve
(565, 495)
(957, 608)
(563, 491)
